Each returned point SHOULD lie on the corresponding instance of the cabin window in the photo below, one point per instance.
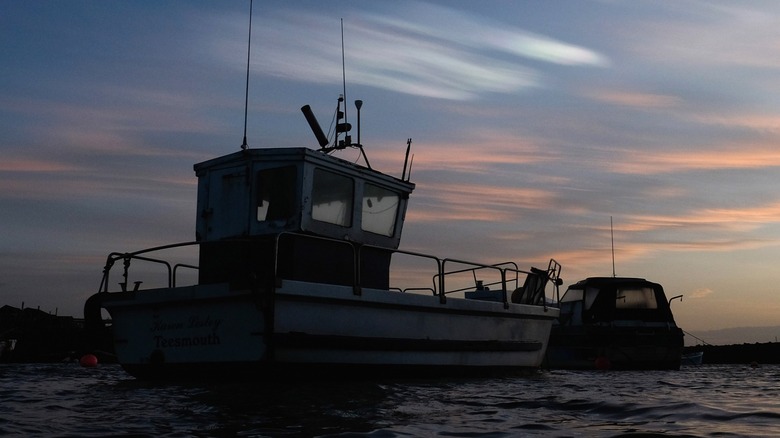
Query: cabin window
(275, 191)
(572, 295)
(636, 298)
(380, 207)
(331, 198)
(590, 297)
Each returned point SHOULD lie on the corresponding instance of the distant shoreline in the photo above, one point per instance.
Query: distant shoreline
(759, 353)
(43, 337)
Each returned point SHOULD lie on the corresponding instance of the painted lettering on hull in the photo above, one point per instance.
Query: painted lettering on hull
(164, 337)
(186, 341)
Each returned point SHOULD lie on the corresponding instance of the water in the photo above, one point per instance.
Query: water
(67, 400)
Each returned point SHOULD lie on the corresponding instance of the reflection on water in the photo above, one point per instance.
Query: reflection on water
(67, 400)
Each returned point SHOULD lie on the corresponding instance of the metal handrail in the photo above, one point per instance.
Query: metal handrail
(182, 265)
(411, 253)
(127, 256)
(474, 268)
(504, 269)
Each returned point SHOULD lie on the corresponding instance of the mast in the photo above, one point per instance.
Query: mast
(612, 236)
(246, 92)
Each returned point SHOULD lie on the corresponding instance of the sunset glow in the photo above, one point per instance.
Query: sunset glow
(533, 125)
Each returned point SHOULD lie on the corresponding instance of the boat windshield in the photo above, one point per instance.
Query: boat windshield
(636, 298)
(588, 296)
(380, 207)
(332, 198)
(572, 295)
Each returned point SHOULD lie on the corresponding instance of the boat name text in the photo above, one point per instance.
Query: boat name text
(159, 325)
(186, 341)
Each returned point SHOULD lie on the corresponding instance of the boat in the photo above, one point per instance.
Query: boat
(692, 358)
(615, 323)
(297, 271)
(7, 347)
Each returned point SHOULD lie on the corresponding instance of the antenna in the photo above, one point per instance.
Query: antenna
(341, 126)
(344, 126)
(344, 81)
(246, 93)
(358, 105)
(612, 236)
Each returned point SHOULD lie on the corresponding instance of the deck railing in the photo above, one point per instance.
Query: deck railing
(502, 277)
(127, 257)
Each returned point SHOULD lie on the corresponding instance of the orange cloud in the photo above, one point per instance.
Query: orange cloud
(759, 122)
(652, 162)
(467, 155)
(635, 99)
(480, 203)
(744, 218)
(701, 293)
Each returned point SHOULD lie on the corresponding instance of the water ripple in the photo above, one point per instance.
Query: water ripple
(710, 401)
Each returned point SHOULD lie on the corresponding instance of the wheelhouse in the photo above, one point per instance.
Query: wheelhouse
(610, 300)
(259, 202)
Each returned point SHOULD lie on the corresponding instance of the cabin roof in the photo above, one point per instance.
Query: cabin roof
(601, 282)
(302, 154)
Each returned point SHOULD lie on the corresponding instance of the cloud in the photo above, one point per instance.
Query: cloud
(759, 122)
(735, 219)
(414, 48)
(744, 156)
(635, 99)
(701, 293)
(33, 165)
(714, 35)
(478, 33)
(457, 202)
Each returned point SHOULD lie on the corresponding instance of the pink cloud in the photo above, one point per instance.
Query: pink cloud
(728, 157)
(30, 165)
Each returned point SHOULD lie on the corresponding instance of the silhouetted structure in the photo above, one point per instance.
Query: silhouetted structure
(761, 353)
(42, 337)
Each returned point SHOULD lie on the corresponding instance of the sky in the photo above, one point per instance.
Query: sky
(534, 127)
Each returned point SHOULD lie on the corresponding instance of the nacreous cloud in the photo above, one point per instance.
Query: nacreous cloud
(417, 49)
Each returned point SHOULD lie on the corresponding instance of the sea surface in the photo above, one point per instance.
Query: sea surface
(710, 400)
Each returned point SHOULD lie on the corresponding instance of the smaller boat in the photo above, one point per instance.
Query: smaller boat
(6, 347)
(692, 358)
(615, 323)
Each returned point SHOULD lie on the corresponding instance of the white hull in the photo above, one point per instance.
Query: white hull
(309, 325)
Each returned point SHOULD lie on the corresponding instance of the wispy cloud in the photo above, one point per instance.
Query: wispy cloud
(734, 219)
(715, 35)
(24, 164)
(742, 156)
(701, 293)
(767, 122)
(634, 99)
(414, 48)
(481, 203)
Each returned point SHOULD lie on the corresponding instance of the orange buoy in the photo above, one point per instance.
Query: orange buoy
(602, 363)
(88, 361)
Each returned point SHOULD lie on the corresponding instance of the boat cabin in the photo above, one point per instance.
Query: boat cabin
(615, 301)
(302, 211)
